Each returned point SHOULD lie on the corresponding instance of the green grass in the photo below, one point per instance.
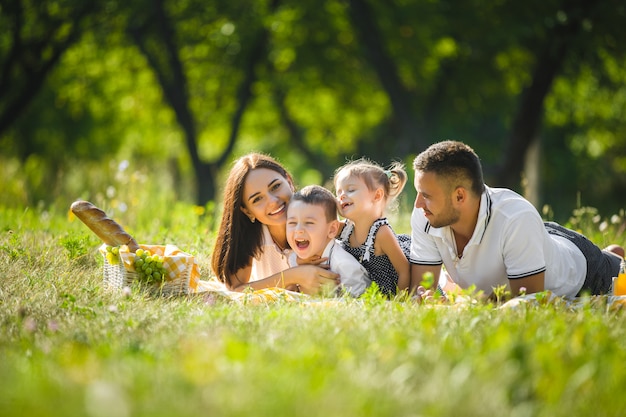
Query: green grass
(70, 347)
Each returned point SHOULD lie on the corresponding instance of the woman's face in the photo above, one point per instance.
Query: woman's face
(266, 194)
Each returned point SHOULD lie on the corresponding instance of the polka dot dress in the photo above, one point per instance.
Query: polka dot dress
(380, 268)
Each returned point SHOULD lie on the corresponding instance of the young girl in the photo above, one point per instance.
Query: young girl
(365, 190)
(251, 249)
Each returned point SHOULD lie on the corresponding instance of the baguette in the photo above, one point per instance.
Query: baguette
(105, 228)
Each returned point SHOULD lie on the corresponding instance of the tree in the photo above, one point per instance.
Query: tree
(38, 34)
(561, 35)
(155, 34)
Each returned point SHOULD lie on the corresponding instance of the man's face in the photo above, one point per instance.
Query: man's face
(435, 200)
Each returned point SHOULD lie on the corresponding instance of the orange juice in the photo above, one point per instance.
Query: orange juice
(619, 285)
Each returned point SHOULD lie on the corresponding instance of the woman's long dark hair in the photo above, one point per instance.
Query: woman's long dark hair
(238, 239)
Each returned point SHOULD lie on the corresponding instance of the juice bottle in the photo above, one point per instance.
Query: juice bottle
(619, 287)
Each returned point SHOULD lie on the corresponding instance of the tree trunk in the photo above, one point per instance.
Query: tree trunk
(405, 122)
(527, 121)
(155, 39)
(173, 81)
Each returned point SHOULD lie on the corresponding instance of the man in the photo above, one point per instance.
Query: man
(492, 236)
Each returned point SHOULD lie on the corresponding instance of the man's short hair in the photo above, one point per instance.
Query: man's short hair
(453, 161)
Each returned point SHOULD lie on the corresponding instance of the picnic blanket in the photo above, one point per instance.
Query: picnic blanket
(547, 298)
(213, 287)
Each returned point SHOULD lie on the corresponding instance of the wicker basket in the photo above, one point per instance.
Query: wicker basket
(120, 275)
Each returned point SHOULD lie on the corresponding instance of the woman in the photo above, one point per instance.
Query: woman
(251, 249)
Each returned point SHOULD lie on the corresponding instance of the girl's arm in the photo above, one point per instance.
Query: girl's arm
(309, 278)
(387, 243)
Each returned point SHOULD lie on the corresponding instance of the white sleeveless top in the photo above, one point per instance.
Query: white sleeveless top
(271, 259)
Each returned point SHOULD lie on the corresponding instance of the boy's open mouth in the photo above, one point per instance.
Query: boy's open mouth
(302, 244)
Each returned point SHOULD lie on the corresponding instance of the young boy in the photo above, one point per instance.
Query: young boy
(311, 229)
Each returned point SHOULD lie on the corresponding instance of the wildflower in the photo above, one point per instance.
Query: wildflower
(53, 326)
(30, 324)
(210, 299)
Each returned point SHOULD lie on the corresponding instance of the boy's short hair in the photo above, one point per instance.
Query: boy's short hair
(318, 195)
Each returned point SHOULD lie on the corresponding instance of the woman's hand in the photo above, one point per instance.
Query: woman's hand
(314, 279)
(313, 260)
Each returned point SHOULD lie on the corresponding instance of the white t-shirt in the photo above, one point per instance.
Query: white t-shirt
(271, 260)
(509, 242)
(354, 277)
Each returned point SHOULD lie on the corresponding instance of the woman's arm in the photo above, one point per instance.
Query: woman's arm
(387, 243)
(309, 278)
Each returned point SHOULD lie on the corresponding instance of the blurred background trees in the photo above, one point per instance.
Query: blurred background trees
(184, 87)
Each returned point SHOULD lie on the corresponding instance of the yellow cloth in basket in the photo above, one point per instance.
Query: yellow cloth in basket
(177, 263)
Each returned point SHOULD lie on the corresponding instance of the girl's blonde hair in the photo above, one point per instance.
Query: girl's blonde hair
(392, 180)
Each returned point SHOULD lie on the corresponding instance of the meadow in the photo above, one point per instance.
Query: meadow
(69, 346)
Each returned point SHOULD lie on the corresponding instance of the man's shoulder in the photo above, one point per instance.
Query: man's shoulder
(509, 209)
(506, 201)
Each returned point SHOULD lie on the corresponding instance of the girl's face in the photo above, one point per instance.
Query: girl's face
(266, 194)
(354, 197)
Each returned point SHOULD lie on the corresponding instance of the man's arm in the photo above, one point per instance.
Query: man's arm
(417, 275)
(533, 284)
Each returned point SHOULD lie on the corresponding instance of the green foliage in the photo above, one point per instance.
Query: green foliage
(604, 230)
(373, 295)
(428, 281)
(12, 248)
(501, 294)
(76, 246)
(458, 70)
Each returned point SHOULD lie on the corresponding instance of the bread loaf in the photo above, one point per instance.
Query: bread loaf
(104, 227)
